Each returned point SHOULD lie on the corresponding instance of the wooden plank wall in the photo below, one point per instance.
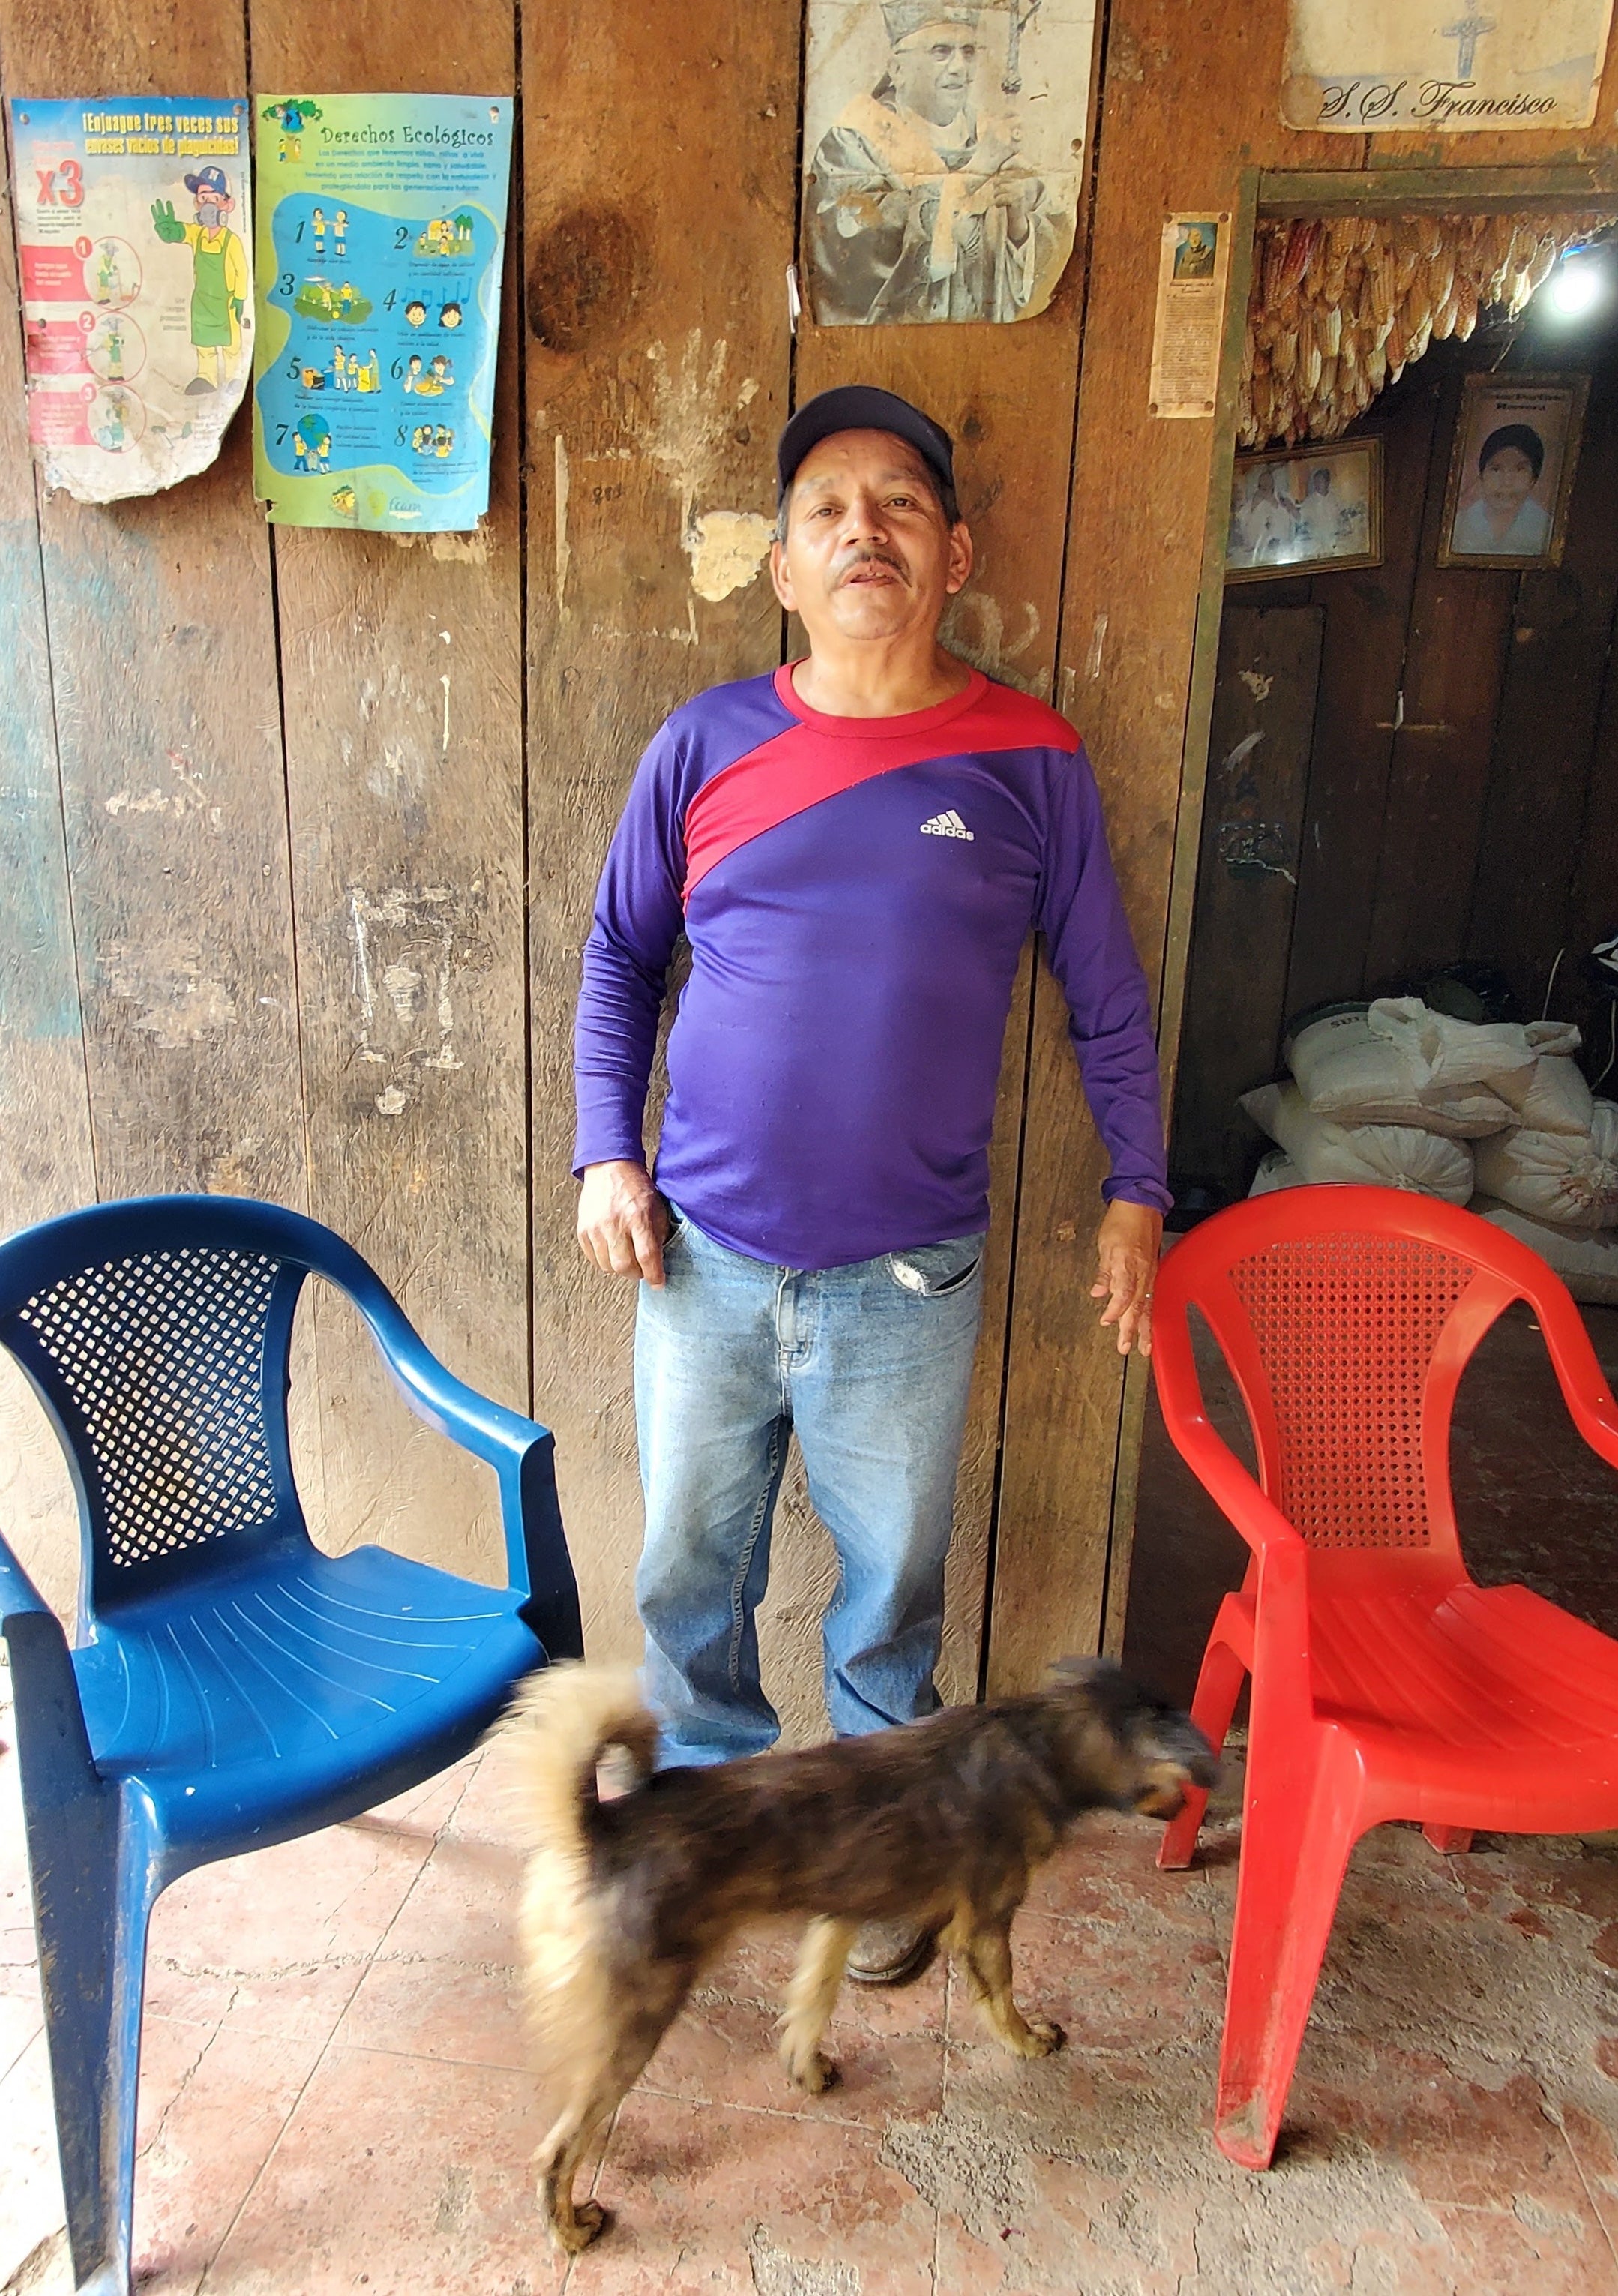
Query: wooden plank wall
(45, 1152)
(401, 685)
(162, 664)
(427, 745)
(658, 373)
(1252, 829)
(226, 765)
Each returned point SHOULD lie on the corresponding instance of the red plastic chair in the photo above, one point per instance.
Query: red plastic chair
(1385, 1684)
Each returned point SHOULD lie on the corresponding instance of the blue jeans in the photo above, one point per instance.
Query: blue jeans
(871, 1364)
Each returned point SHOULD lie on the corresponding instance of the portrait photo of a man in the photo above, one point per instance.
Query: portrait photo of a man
(928, 196)
(1195, 250)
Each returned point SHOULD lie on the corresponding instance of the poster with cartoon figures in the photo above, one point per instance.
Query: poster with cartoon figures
(381, 223)
(132, 239)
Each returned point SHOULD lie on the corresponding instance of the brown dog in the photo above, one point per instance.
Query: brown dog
(939, 1823)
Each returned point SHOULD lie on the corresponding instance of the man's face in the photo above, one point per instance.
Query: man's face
(933, 70)
(868, 553)
(1507, 481)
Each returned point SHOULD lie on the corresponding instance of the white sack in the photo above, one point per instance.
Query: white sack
(1278, 1171)
(1551, 1096)
(1347, 1067)
(1568, 1177)
(1585, 1259)
(1442, 1051)
(1369, 1155)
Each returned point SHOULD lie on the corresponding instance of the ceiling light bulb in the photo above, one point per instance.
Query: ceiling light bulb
(1574, 289)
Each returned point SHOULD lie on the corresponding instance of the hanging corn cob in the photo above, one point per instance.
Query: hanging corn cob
(1339, 308)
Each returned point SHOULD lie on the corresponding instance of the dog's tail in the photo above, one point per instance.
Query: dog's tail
(548, 1745)
(560, 1723)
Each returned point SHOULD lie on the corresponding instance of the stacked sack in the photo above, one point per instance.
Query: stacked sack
(1492, 1114)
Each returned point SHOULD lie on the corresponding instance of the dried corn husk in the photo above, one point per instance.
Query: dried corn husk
(1340, 307)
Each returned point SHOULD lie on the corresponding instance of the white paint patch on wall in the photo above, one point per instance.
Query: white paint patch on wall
(186, 793)
(181, 1001)
(974, 626)
(472, 549)
(408, 947)
(727, 548)
(693, 412)
(564, 554)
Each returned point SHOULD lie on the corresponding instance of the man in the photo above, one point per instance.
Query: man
(856, 848)
(1269, 525)
(918, 207)
(218, 291)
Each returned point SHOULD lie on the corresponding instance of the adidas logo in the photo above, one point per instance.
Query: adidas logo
(946, 825)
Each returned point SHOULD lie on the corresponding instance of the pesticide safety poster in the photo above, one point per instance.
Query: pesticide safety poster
(133, 236)
(382, 225)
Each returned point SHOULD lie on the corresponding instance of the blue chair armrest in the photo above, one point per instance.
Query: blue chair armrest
(19, 1596)
(54, 1745)
(518, 1449)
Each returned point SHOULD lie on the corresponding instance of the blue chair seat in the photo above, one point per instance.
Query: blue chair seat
(293, 1677)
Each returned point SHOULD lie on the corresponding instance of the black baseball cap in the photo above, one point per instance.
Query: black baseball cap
(861, 407)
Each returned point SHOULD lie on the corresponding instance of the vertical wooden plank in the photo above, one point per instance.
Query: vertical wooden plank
(1252, 823)
(402, 683)
(1556, 661)
(1460, 617)
(163, 660)
(1362, 671)
(1180, 119)
(658, 202)
(45, 1127)
(45, 1162)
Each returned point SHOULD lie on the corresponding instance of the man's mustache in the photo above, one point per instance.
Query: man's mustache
(873, 558)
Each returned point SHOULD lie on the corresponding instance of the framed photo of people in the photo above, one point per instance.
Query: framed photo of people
(1511, 469)
(1306, 510)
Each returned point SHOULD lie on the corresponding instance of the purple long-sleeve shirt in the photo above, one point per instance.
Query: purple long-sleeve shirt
(856, 892)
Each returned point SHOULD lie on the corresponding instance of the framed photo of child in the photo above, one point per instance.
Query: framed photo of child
(1511, 469)
(1306, 510)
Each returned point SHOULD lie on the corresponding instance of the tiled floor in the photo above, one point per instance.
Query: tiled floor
(334, 2095)
(334, 2091)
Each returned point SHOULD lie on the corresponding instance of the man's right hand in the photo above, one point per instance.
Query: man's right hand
(622, 1221)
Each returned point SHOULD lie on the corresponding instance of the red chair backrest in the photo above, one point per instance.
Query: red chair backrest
(1346, 1316)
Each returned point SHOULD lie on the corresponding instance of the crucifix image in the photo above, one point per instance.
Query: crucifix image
(1468, 32)
(1022, 13)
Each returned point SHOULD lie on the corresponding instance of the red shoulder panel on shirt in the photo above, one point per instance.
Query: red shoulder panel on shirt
(805, 764)
(1004, 720)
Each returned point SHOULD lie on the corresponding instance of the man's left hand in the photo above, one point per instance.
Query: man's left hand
(1127, 1246)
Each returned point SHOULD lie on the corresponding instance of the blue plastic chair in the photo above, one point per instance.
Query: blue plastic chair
(229, 1685)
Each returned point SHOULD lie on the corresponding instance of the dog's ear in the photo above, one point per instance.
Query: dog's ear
(1176, 1743)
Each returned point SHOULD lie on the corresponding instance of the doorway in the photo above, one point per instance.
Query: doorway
(1412, 788)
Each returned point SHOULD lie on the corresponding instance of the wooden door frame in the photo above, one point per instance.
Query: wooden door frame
(1263, 192)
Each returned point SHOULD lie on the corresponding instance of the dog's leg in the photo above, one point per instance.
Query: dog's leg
(810, 2001)
(984, 1953)
(575, 2224)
